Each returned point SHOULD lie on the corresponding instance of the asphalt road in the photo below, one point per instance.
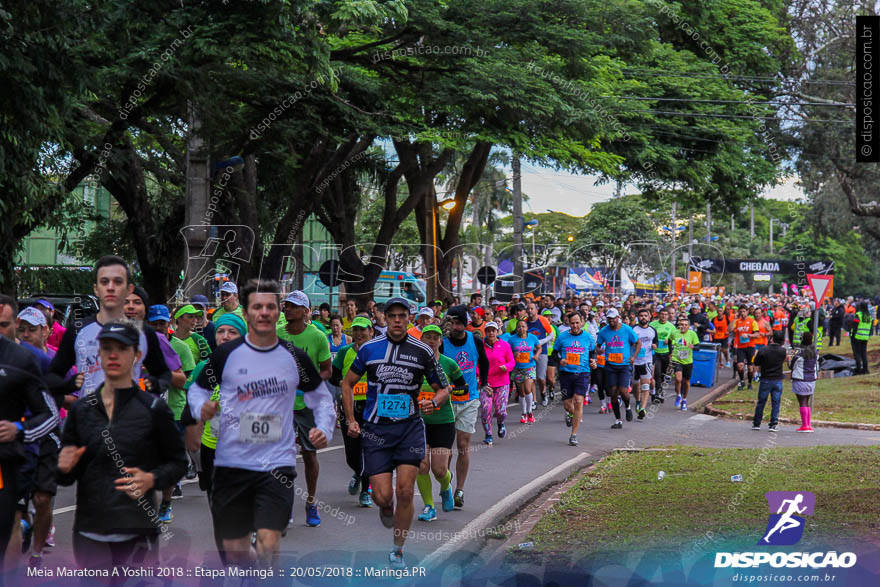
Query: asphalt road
(351, 536)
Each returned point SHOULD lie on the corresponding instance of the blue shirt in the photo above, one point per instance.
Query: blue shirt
(575, 348)
(396, 368)
(42, 357)
(522, 347)
(538, 329)
(618, 344)
(466, 356)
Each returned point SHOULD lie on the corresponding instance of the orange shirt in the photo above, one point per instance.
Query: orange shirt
(780, 318)
(742, 328)
(765, 330)
(481, 328)
(414, 331)
(720, 323)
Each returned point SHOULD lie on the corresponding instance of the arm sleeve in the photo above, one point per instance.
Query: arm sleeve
(482, 362)
(155, 363)
(434, 372)
(171, 451)
(44, 414)
(548, 330)
(200, 390)
(61, 363)
(316, 395)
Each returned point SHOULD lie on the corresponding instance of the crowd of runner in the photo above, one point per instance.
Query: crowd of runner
(127, 403)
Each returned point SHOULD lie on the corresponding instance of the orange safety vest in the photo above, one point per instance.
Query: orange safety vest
(720, 327)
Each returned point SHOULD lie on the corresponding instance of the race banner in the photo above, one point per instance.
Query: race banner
(772, 266)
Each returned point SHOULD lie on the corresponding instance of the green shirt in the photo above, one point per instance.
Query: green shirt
(221, 310)
(681, 353)
(443, 414)
(345, 356)
(316, 346)
(664, 331)
(177, 397)
(198, 345)
(208, 438)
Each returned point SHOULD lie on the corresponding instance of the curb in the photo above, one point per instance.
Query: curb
(823, 423)
(471, 534)
(714, 394)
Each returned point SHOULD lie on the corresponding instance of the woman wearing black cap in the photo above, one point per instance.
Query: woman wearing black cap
(119, 445)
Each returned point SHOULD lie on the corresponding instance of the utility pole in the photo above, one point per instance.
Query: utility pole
(771, 235)
(674, 251)
(517, 226)
(196, 205)
(708, 221)
(752, 221)
(732, 225)
(690, 238)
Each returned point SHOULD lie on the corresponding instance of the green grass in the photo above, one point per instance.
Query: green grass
(844, 399)
(621, 505)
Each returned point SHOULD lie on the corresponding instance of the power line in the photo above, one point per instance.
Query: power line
(655, 73)
(707, 115)
(726, 101)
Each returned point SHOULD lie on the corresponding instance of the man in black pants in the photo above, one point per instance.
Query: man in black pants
(770, 360)
(21, 387)
(836, 324)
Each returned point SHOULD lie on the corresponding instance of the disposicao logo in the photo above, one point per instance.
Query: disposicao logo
(785, 527)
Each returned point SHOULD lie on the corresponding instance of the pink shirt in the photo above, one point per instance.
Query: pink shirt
(55, 337)
(499, 354)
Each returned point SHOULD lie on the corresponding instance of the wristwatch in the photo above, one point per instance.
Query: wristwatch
(433, 403)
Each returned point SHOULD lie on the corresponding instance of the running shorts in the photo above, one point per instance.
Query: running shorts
(520, 374)
(541, 369)
(685, 370)
(745, 355)
(440, 435)
(244, 500)
(303, 422)
(617, 376)
(640, 371)
(722, 341)
(466, 415)
(573, 384)
(387, 446)
(553, 360)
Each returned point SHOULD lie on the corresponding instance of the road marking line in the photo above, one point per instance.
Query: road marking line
(480, 522)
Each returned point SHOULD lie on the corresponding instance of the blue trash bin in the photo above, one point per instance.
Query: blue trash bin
(705, 364)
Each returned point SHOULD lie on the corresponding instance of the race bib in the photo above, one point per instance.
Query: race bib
(522, 357)
(683, 354)
(706, 337)
(600, 359)
(573, 359)
(744, 338)
(615, 357)
(360, 388)
(642, 353)
(259, 428)
(459, 394)
(393, 405)
(661, 344)
(426, 395)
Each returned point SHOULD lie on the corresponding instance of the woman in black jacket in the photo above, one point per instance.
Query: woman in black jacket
(119, 445)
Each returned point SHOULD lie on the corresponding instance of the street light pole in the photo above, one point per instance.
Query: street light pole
(674, 252)
(517, 226)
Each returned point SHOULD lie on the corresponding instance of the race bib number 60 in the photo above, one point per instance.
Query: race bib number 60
(259, 428)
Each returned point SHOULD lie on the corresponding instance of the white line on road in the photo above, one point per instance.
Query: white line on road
(481, 521)
(71, 508)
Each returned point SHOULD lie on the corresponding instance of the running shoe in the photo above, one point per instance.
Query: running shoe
(254, 539)
(587, 400)
(35, 561)
(531, 418)
(458, 498)
(642, 414)
(429, 514)
(568, 419)
(488, 440)
(727, 364)
(27, 535)
(741, 385)
(365, 500)
(684, 405)
(354, 484)
(757, 376)
(523, 420)
(165, 513)
(572, 440)
(395, 559)
(602, 410)
(545, 399)
(629, 415)
(312, 517)
(677, 401)
(804, 429)
(177, 493)
(750, 386)
(755, 427)
(502, 431)
(50, 539)
(386, 516)
(446, 500)
(190, 472)
(617, 424)
(774, 428)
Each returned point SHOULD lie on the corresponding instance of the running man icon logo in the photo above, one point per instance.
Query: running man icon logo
(786, 524)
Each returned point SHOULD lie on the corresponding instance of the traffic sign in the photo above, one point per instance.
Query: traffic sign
(486, 275)
(820, 286)
(329, 273)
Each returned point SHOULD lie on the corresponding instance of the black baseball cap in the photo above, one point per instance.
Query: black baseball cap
(397, 302)
(458, 313)
(124, 333)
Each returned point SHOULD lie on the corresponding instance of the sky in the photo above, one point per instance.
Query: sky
(575, 194)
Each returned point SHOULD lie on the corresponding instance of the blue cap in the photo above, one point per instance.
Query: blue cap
(158, 312)
(200, 299)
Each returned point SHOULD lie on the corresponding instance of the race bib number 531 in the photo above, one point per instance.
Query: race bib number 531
(259, 428)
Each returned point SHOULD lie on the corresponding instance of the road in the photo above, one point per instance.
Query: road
(351, 536)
